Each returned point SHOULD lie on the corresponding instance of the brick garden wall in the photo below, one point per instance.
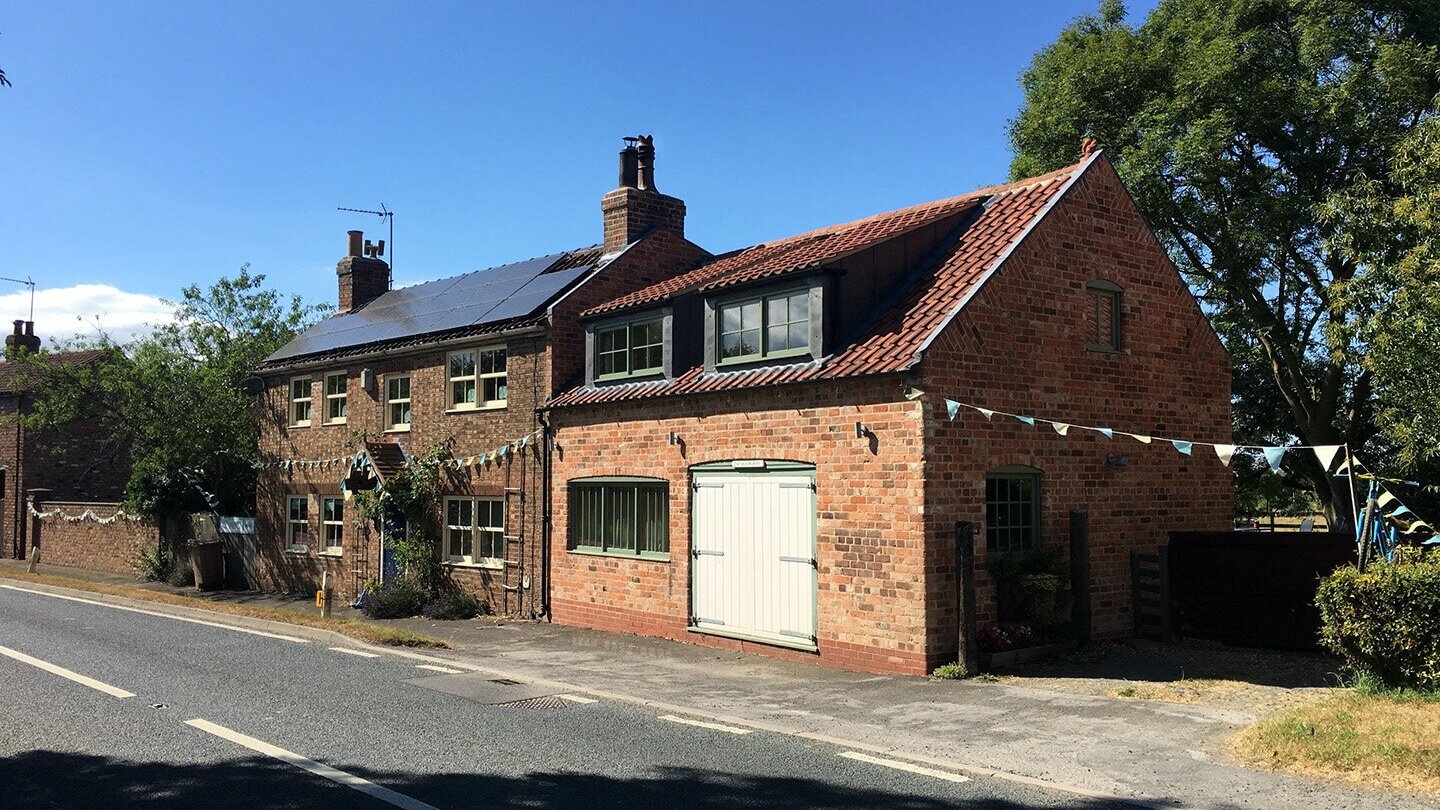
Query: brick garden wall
(87, 543)
(1020, 346)
(869, 500)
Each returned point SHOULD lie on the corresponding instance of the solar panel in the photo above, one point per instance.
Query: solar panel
(473, 299)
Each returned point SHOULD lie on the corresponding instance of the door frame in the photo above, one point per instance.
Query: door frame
(770, 467)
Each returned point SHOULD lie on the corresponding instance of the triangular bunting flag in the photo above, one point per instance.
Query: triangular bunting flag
(1027, 420)
(988, 413)
(952, 407)
(1061, 428)
(1139, 438)
(1402, 509)
(1109, 434)
(1274, 455)
(1226, 452)
(1325, 453)
(1384, 498)
(913, 393)
(485, 458)
(1183, 447)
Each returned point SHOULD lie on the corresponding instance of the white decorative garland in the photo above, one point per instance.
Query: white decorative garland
(120, 514)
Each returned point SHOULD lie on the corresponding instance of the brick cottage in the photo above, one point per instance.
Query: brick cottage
(754, 450)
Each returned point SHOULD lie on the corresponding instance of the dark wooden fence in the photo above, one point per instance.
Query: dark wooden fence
(1251, 588)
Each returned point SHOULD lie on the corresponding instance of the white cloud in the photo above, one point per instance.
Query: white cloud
(62, 313)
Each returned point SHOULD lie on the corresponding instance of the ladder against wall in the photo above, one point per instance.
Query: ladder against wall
(1150, 589)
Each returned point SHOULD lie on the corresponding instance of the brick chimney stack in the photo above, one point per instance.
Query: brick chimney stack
(23, 338)
(362, 278)
(636, 206)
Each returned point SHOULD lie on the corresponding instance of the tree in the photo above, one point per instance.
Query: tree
(175, 398)
(1247, 130)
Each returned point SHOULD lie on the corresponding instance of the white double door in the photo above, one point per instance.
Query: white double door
(753, 556)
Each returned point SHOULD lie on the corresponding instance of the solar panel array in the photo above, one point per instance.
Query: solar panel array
(483, 297)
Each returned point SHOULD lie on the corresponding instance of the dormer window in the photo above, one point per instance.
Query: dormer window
(1106, 301)
(630, 349)
(768, 326)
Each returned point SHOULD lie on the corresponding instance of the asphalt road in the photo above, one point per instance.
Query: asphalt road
(222, 718)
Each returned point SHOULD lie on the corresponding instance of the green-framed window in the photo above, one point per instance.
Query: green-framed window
(624, 516)
(770, 326)
(630, 349)
(1012, 510)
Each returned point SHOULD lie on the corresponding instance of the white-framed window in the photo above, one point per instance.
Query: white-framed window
(475, 531)
(461, 371)
(300, 402)
(397, 402)
(1012, 510)
(1106, 298)
(337, 394)
(493, 390)
(775, 325)
(332, 519)
(630, 349)
(297, 524)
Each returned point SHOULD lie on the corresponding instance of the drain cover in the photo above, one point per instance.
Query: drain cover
(546, 702)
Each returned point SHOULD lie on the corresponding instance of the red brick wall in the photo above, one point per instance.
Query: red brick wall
(869, 500)
(1020, 346)
(87, 543)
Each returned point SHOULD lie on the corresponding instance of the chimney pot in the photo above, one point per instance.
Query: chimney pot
(636, 206)
(629, 164)
(357, 243)
(29, 329)
(19, 327)
(1088, 147)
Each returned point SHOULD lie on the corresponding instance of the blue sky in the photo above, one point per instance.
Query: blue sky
(148, 145)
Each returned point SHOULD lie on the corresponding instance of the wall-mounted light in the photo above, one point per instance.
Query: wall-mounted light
(1116, 459)
(674, 438)
(861, 431)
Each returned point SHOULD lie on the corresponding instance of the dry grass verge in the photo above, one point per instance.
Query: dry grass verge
(361, 631)
(1379, 740)
(1188, 690)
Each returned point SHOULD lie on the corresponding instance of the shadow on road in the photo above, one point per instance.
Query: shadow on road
(47, 779)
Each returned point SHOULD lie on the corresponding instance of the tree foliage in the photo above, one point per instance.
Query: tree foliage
(174, 398)
(1255, 135)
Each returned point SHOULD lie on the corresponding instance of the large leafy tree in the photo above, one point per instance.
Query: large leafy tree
(175, 398)
(1250, 132)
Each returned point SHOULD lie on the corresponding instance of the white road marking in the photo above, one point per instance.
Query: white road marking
(56, 669)
(446, 670)
(360, 653)
(702, 724)
(908, 767)
(280, 636)
(365, 786)
(576, 699)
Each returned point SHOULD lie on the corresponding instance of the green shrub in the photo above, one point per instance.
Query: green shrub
(182, 575)
(152, 563)
(1385, 622)
(397, 599)
(454, 603)
(954, 671)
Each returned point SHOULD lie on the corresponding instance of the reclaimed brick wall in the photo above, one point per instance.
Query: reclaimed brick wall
(1020, 346)
(869, 499)
(87, 543)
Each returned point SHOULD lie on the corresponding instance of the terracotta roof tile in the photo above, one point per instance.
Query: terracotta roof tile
(904, 325)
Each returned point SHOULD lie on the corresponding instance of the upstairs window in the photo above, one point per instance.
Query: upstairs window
(1106, 299)
(397, 402)
(462, 380)
(630, 349)
(336, 394)
(493, 390)
(300, 402)
(771, 326)
(1012, 510)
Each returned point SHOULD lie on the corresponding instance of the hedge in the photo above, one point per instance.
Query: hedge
(1385, 622)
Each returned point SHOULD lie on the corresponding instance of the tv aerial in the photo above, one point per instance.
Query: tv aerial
(389, 217)
(28, 282)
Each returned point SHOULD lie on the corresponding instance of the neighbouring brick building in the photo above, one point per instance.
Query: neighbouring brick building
(79, 462)
(771, 478)
(466, 360)
(756, 450)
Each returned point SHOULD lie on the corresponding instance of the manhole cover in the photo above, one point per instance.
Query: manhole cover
(546, 702)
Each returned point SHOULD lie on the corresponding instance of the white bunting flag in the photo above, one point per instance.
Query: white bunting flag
(1139, 438)
(1061, 428)
(1226, 452)
(1325, 453)
(988, 413)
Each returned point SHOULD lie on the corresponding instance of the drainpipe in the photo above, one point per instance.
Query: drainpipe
(547, 448)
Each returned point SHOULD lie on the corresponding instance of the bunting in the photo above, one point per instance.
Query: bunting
(68, 517)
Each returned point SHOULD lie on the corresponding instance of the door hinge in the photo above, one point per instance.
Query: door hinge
(810, 561)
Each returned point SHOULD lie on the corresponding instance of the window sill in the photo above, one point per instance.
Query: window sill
(616, 555)
(648, 374)
(298, 551)
(500, 406)
(495, 565)
(334, 422)
(781, 359)
(299, 424)
(1102, 349)
(332, 554)
(398, 429)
